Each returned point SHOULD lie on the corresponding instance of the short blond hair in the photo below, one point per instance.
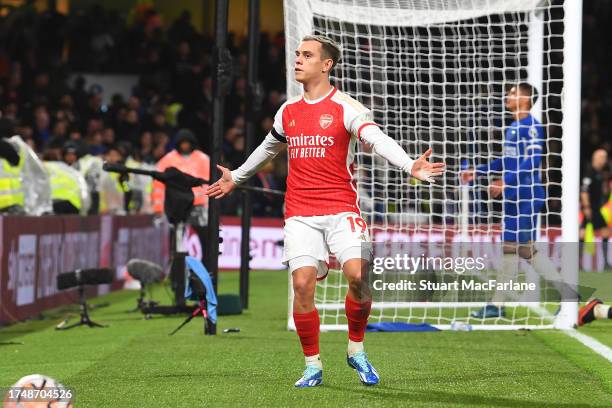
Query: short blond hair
(330, 48)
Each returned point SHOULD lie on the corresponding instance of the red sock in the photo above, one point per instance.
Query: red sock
(307, 327)
(357, 315)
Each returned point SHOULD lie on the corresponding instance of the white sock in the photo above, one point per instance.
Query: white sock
(602, 311)
(314, 361)
(509, 270)
(354, 347)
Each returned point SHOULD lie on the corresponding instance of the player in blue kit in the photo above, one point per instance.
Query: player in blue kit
(523, 192)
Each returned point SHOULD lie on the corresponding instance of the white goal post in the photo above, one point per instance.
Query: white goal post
(434, 73)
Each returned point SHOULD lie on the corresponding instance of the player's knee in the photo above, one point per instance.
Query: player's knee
(355, 273)
(359, 289)
(526, 252)
(304, 283)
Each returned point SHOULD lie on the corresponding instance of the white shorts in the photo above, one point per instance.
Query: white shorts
(342, 235)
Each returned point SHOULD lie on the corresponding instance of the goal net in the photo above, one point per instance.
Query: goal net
(435, 74)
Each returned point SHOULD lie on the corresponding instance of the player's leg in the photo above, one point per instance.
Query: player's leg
(348, 238)
(306, 318)
(507, 272)
(304, 245)
(601, 230)
(357, 305)
(509, 264)
(594, 310)
(358, 301)
(519, 234)
(539, 260)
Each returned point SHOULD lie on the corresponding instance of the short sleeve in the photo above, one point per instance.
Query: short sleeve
(356, 116)
(585, 186)
(359, 122)
(535, 137)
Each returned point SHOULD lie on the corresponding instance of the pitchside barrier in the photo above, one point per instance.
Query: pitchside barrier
(34, 250)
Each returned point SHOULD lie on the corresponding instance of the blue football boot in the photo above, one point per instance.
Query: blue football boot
(367, 373)
(312, 377)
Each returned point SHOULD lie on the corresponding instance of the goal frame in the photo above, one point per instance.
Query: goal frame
(570, 125)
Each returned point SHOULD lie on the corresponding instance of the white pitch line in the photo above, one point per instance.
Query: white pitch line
(591, 343)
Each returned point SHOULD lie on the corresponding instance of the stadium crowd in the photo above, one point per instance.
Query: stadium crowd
(54, 110)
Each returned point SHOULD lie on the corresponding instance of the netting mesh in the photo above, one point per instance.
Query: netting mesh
(435, 73)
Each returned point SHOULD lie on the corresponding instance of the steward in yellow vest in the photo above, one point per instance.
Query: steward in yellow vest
(68, 188)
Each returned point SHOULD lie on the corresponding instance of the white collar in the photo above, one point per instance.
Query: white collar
(313, 101)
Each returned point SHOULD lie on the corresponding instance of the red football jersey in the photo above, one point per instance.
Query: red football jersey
(321, 136)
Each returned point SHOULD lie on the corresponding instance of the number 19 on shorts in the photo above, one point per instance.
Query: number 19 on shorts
(357, 223)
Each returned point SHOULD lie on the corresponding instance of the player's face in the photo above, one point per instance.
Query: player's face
(600, 159)
(512, 99)
(516, 102)
(309, 63)
(70, 157)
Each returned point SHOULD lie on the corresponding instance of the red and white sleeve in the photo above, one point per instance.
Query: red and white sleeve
(358, 120)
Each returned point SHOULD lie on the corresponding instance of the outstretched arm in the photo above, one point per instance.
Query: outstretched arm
(388, 149)
(467, 176)
(265, 152)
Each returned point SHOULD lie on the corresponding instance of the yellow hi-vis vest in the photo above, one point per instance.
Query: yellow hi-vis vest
(11, 189)
(64, 187)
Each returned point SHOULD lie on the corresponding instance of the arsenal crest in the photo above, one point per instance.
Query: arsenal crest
(325, 120)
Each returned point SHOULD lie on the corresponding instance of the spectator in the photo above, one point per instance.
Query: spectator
(267, 205)
(129, 128)
(146, 147)
(42, 123)
(188, 159)
(95, 143)
(108, 137)
(161, 142)
(159, 123)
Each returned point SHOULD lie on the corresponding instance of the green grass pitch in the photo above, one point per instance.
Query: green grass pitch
(134, 363)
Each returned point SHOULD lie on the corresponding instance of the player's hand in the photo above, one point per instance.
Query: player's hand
(496, 188)
(467, 176)
(222, 187)
(423, 170)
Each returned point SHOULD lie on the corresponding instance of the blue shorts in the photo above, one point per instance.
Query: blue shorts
(521, 220)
